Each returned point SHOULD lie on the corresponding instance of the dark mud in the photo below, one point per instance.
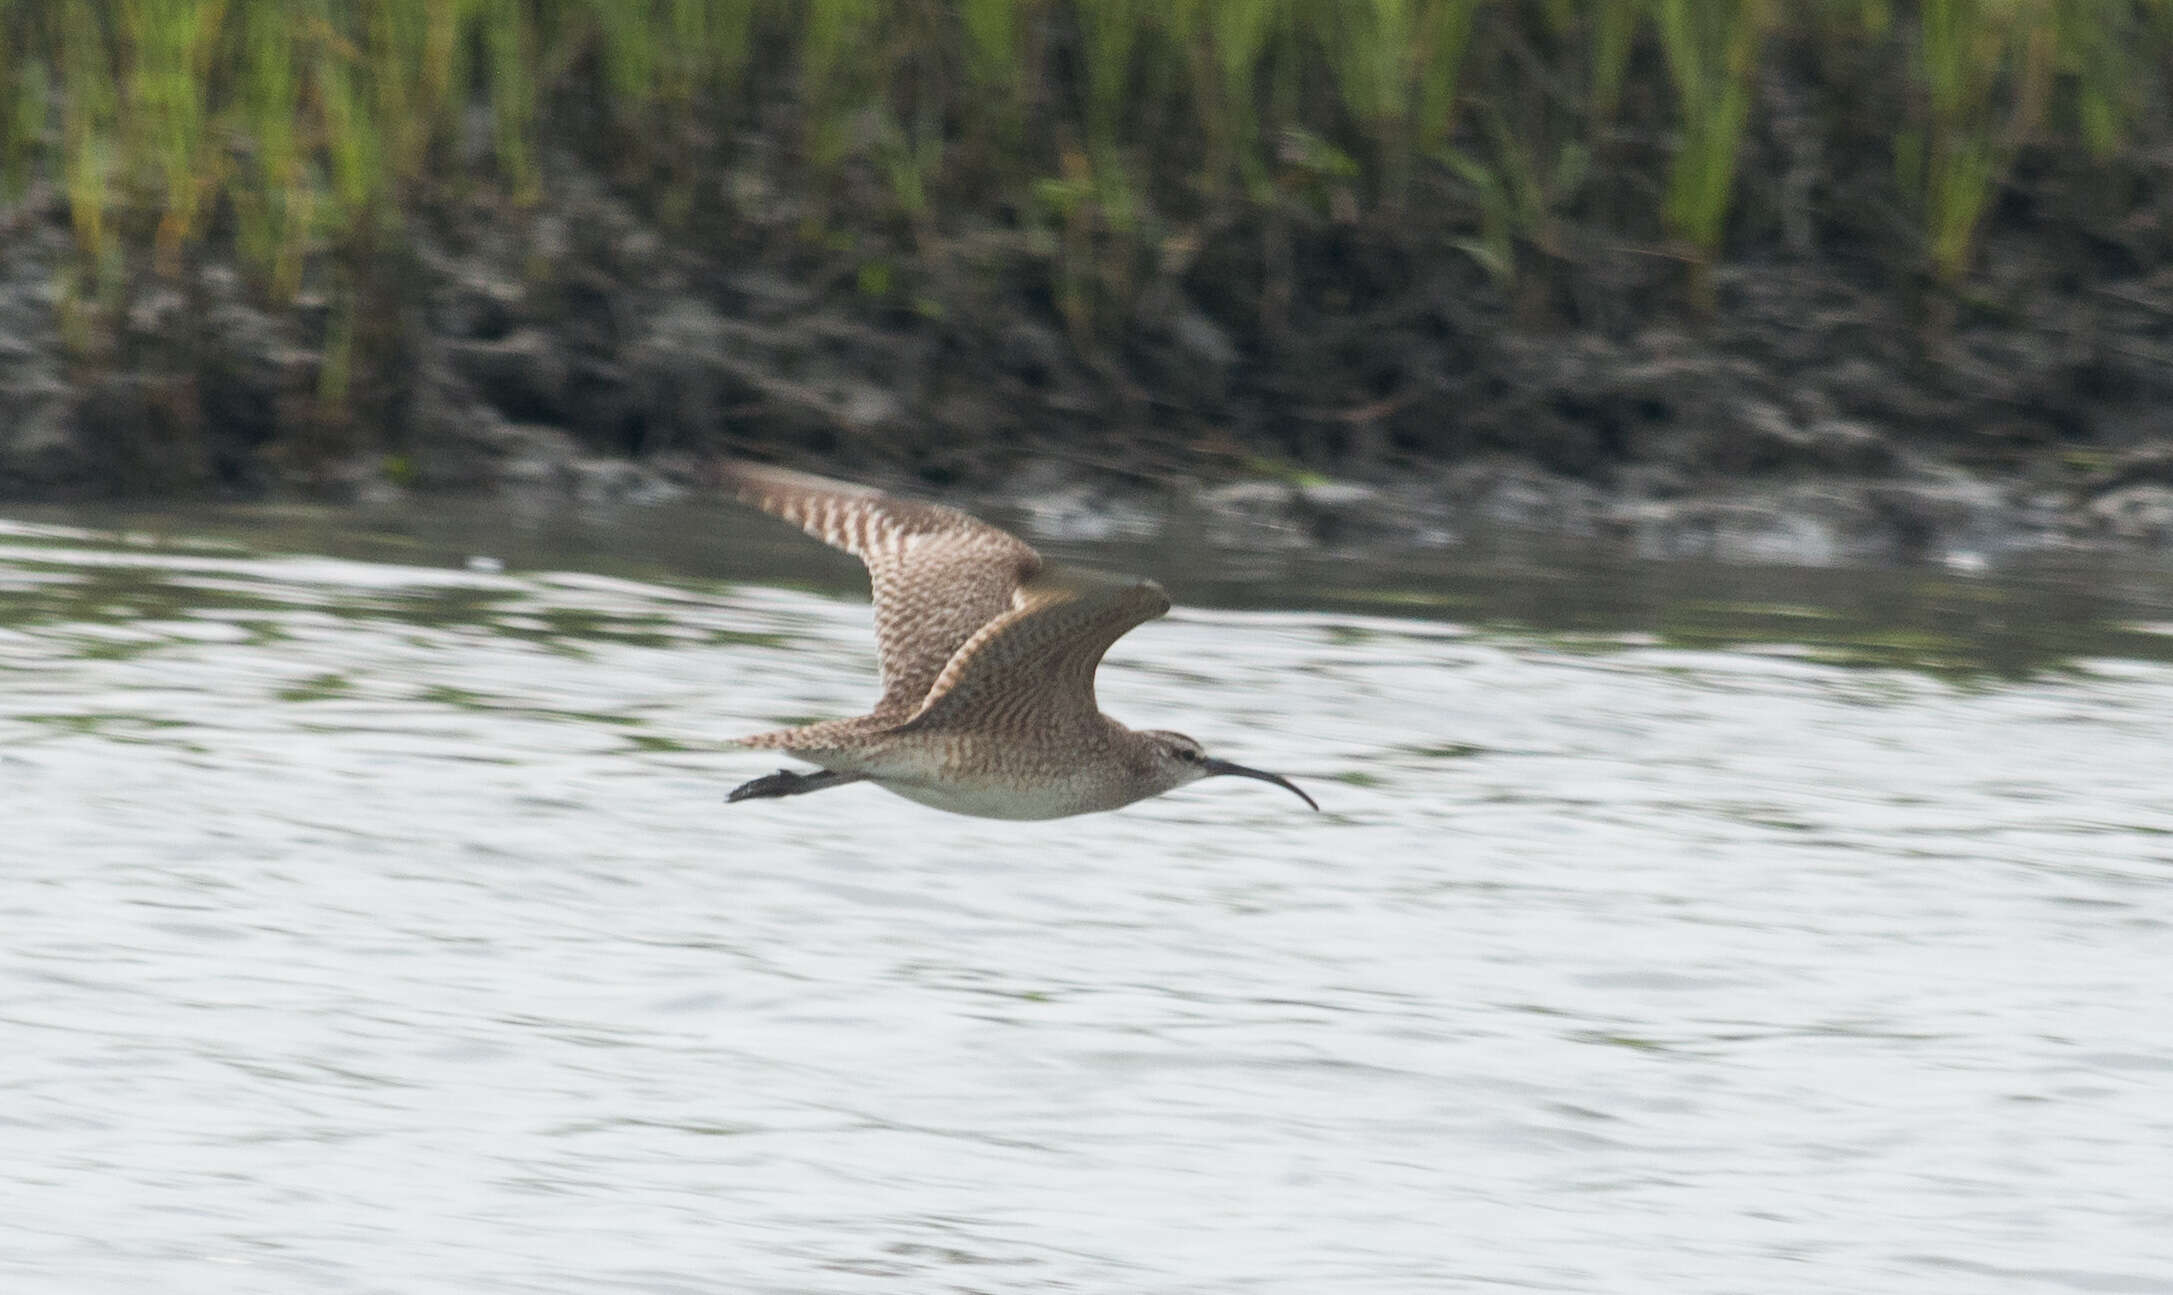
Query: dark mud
(1811, 416)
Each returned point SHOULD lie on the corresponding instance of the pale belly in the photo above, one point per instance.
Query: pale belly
(929, 775)
(1054, 800)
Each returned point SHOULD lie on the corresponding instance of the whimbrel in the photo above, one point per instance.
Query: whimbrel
(987, 656)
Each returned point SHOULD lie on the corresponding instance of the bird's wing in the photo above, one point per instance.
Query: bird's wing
(1034, 665)
(939, 575)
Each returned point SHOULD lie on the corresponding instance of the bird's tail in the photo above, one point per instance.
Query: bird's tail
(829, 735)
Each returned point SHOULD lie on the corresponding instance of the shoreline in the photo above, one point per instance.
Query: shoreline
(579, 349)
(1752, 282)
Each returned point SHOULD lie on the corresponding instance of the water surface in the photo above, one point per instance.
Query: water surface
(375, 923)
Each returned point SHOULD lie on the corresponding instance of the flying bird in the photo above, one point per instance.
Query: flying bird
(987, 654)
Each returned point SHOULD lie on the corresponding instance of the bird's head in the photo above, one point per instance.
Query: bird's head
(1177, 760)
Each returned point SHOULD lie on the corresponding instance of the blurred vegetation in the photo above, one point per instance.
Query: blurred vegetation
(1117, 136)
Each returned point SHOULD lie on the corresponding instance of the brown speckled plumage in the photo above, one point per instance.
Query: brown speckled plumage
(987, 657)
(938, 574)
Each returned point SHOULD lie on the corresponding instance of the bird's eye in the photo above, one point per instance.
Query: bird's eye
(1188, 755)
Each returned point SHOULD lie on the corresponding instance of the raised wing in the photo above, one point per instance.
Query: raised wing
(939, 575)
(1034, 665)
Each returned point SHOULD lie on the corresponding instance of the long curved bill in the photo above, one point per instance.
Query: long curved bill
(1215, 767)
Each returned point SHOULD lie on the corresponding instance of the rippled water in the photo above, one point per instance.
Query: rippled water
(377, 926)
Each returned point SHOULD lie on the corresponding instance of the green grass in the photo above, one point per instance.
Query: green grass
(1119, 134)
(1712, 49)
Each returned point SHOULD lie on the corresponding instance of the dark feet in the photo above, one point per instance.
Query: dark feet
(787, 783)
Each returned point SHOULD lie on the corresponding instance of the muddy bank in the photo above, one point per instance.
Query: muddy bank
(581, 346)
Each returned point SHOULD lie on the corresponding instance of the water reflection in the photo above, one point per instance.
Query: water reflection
(380, 926)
